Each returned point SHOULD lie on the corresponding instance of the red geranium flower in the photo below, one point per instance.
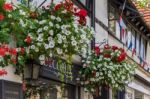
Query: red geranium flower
(97, 50)
(28, 39)
(2, 52)
(14, 61)
(106, 46)
(107, 55)
(57, 7)
(82, 13)
(13, 51)
(8, 7)
(1, 17)
(121, 57)
(22, 50)
(114, 48)
(3, 72)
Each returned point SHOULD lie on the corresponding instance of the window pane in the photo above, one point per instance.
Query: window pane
(137, 43)
(117, 30)
(129, 38)
(133, 39)
(83, 2)
(142, 50)
(112, 22)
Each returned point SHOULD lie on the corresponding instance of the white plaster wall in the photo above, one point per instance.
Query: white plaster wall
(146, 97)
(140, 87)
(102, 15)
(101, 11)
(10, 75)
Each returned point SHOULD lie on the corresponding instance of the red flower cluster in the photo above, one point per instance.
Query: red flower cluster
(68, 6)
(28, 39)
(1, 17)
(82, 16)
(3, 72)
(12, 52)
(109, 50)
(97, 50)
(122, 56)
(8, 7)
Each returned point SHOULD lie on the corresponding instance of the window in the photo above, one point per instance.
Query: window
(133, 39)
(143, 48)
(117, 30)
(83, 2)
(137, 43)
(112, 21)
(129, 39)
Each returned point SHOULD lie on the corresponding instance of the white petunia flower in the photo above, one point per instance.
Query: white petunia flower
(53, 17)
(39, 44)
(51, 44)
(36, 49)
(33, 47)
(64, 37)
(42, 22)
(9, 16)
(59, 41)
(51, 32)
(40, 39)
(50, 39)
(41, 57)
(74, 43)
(45, 28)
(57, 26)
(39, 30)
(46, 46)
(22, 23)
(22, 12)
(67, 32)
(58, 19)
(51, 24)
(83, 36)
(59, 51)
(63, 27)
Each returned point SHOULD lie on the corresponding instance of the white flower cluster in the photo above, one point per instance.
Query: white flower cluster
(61, 38)
(102, 71)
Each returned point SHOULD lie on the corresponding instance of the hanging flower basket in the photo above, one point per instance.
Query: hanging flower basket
(39, 33)
(106, 66)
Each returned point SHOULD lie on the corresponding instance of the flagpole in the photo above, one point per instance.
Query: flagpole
(124, 4)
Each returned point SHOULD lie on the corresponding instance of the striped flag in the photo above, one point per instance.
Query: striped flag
(130, 45)
(123, 30)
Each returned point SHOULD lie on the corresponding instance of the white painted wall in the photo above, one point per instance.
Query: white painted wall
(140, 87)
(146, 97)
(11, 76)
(102, 15)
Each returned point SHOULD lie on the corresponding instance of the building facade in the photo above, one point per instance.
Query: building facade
(104, 16)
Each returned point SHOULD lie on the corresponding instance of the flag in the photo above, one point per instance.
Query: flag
(130, 45)
(122, 30)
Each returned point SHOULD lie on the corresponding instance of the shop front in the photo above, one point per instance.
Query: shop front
(49, 84)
